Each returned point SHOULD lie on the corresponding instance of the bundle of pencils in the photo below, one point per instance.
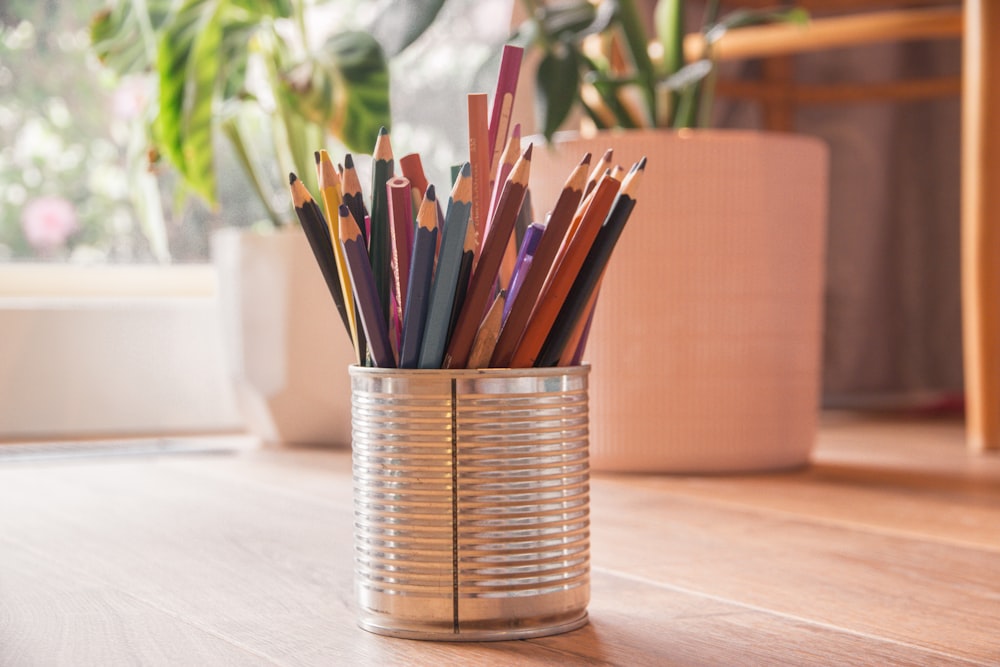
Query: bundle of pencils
(478, 285)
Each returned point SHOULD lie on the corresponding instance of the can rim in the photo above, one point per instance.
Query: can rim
(548, 371)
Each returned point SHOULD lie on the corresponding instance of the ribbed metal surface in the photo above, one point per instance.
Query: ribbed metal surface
(486, 539)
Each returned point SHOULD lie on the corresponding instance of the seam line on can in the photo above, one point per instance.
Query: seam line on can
(454, 504)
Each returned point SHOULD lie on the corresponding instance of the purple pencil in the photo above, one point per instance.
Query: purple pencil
(532, 235)
(421, 272)
(365, 295)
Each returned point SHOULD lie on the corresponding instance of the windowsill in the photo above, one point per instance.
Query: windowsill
(68, 281)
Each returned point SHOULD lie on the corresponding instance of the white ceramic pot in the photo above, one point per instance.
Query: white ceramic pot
(706, 345)
(288, 352)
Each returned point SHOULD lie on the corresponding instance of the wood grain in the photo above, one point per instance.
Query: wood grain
(885, 551)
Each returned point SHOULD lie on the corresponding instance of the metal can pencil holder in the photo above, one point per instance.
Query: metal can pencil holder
(471, 502)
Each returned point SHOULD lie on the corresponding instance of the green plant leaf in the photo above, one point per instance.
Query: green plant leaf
(401, 22)
(188, 68)
(344, 87)
(669, 23)
(558, 83)
(258, 8)
(118, 34)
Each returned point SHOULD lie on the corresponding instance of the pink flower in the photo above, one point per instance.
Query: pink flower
(48, 221)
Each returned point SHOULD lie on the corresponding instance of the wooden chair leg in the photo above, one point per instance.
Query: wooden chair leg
(981, 222)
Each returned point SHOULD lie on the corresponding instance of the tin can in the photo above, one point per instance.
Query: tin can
(471, 501)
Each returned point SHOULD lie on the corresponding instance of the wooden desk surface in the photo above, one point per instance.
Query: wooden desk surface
(886, 551)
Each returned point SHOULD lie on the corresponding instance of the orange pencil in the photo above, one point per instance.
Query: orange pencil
(562, 276)
(479, 160)
(542, 261)
(599, 170)
(485, 274)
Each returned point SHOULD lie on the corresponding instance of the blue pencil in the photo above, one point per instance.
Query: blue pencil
(365, 294)
(446, 277)
(419, 283)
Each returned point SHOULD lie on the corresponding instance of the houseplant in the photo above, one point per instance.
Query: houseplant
(705, 345)
(276, 84)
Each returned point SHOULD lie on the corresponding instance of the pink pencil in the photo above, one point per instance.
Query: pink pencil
(503, 104)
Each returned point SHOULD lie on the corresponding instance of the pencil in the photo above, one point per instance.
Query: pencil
(378, 240)
(599, 170)
(353, 196)
(421, 272)
(413, 170)
(583, 291)
(486, 336)
(561, 277)
(534, 279)
(329, 190)
(484, 274)
(501, 171)
(445, 281)
(365, 294)
(503, 104)
(523, 262)
(464, 274)
(401, 238)
(318, 234)
(479, 159)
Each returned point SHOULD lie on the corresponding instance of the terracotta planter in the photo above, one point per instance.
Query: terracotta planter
(707, 339)
(287, 350)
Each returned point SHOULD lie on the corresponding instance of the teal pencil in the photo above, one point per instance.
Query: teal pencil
(378, 240)
(365, 295)
(445, 280)
(419, 284)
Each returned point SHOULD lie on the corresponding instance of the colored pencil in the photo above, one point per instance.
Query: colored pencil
(318, 234)
(353, 196)
(486, 336)
(503, 104)
(479, 159)
(599, 170)
(583, 291)
(464, 275)
(561, 277)
(445, 281)
(421, 272)
(501, 171)
(545, 254)
(378, 240)
(365, 294)
(484, 274)
(523, 262)
(329, 190)
(401, 240)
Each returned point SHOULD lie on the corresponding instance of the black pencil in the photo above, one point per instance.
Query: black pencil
(318, 234)
(575, 304)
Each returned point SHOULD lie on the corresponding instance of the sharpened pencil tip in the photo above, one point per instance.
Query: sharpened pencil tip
(348, 161)
(466, 170)
(527, 152)
(292, 178)
(316, 155)
(382, 131)
(430, 193)
(642, 164)
(586, 159)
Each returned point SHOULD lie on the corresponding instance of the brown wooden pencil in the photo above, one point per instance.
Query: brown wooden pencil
(561, 277)
(545, 254)
(484, 275)
(599, 170)
(486, 336)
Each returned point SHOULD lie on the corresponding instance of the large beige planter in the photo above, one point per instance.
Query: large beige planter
(287, 350)
(706, 343)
